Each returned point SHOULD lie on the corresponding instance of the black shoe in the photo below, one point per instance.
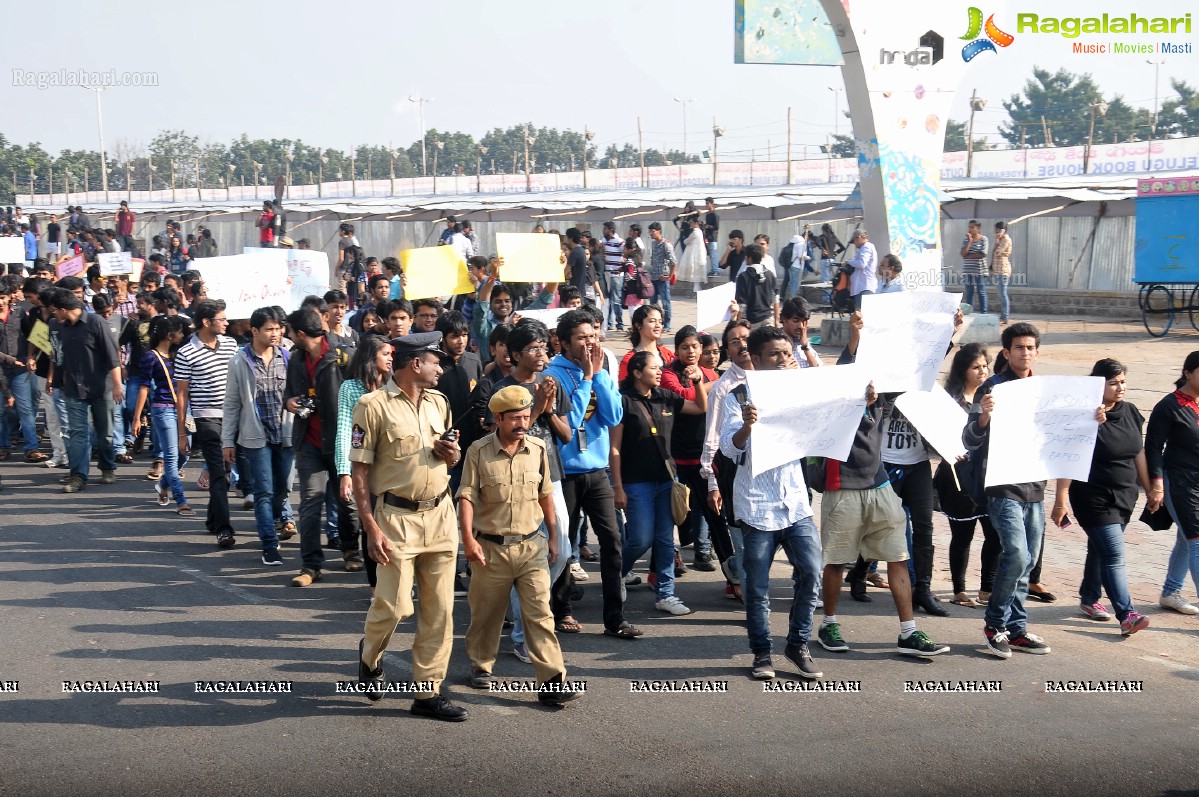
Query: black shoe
(374, 680)
(225, 539)
(925, 602)
(438, 708)
(857, 591)
(704, 562)
(762, 668)
(333, 544)
(552, 693)
(271, 557)
(480, 679)
(461, 586)
(802, 659)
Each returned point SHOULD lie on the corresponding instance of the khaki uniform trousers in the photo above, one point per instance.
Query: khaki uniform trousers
(424, 546)
(524, 565)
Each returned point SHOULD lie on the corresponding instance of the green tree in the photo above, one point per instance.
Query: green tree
(1062, 101)
(1180, 116)
(175, 147)
(955, 138)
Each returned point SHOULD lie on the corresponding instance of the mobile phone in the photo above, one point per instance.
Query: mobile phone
(1066, 522)
(450, 436)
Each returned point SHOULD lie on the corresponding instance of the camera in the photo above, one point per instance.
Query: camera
(307, 406)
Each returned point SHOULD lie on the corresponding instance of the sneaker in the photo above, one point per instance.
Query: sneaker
(287, 530)
(704, 562)
(108, 477)
(802, 659)
(1029, 643)
(66, 478)
(918, 643)
(672, 605)
(1177, 603)
(1132, 623)
(997, 642)
(224, 539)
(333, 543)
(54, 462)
(247, 503)
(1096, 611)
(518, 650)
(353, 561)
(75, 484)
(830, 638)
(578, 572)
(762, 669)
(306, 578)
(271, 557)
(631, 580)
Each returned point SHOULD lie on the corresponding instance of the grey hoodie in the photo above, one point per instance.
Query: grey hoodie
(241, 424)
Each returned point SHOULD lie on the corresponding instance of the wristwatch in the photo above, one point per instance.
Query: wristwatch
(804, 347)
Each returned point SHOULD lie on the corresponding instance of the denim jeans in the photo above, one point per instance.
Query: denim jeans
(79, 445)
(698, 525)
(55, 419)
(1105, 568)
(969, 283)
(23, 389)
(648, 523)
(166, 429)
(857, 299)
(615, 285)
(1185, 554)
(269, 470)
(793, 277)
(826, 270)
(1021, 529)
(713, 259)
(662, 297)
(801, 542)
(1005, 305)
(131, 390)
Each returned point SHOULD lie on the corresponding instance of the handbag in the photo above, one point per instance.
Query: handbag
(1159, 520)
(680, 494)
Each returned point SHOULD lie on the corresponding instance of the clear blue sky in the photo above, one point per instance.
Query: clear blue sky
(340, 74)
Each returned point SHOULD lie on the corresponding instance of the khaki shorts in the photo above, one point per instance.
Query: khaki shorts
(866, 522)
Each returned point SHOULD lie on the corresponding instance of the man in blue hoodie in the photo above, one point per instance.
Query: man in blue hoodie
(595, 406)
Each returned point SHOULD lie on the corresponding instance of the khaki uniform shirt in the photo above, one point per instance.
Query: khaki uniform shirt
(395, 437)
(504, 489)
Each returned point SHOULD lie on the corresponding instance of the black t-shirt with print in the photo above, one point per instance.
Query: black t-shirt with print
(640, 455)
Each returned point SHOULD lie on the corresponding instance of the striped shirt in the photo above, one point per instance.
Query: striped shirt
(976, 255)
(613, 254)
(205, 370)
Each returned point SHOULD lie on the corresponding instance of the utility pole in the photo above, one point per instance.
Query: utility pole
(684, 102)
(420, 104)
(717, 132)
(354, 171)
(1097, 109)
(789, 181)
(529, 141)
(1045, 131)
(100, 127)
(51, 184)
(836, 110)
(437, 145)
(1024, 148)
(640, 152)
(128, 182)
(976, 104)
(391, 153)
(587, 137)
(480, 151)
(1157, 65)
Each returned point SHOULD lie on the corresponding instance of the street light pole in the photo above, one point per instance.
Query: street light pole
(836, 110)
(100, 127)
(420, 104)
(1157, 65)
(976, 104)
(1098, 109)
(684, 103)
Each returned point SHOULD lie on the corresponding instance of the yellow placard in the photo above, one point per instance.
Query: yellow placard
(530, 257)
(40, 336)
(434, 271)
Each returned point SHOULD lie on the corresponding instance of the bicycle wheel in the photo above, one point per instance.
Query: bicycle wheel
(1193, 309)
(1157, 312)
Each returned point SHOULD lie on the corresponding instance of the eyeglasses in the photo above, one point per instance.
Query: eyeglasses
(535, 350)
(427, 316)
(220, 320)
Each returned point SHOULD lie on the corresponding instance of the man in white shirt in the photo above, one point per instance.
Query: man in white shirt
(795, 315)
(461, 244)
(768, 262)
(774, 512)
(863, 277)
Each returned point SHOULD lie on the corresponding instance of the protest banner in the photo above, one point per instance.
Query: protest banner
(70, 266)
(307, 272)
(12, 249)
(905, 337)
(938, 418)
(245, 282)
(433, 272)
(139, 266)
(712, 305)
(113, 263)
(804, 412)
(530, 257)
(547, 317)
(1043, 427)
(39, 336)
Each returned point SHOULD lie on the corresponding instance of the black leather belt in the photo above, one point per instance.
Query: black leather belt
(510, 539)
(413, 506)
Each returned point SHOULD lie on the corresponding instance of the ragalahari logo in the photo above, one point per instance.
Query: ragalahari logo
(981, 45)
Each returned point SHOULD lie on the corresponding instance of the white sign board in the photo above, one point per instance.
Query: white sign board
(1043, 427)
(712, 305)
(114, 263)
(905, 337)
(245, 282)
(307, 272)
(804, 412)
(12, 249)
(938, 418)
(547, 317)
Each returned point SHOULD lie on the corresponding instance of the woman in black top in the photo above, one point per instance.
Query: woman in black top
(1174, 475)
(642, 470)
(1103, 503)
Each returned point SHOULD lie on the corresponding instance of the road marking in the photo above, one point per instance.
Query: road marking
(503, 710)
(1173, 665)
(245, 595)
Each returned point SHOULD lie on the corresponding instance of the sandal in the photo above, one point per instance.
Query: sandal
(626, 631)
(878, 581)
(164, 498)
(568, 625)
(1040, 594)
(124, 459)
(587, 554)
(185, 511)
(962, 599)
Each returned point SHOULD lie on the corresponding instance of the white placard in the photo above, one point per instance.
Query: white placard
(905, 337)
(804, 412)
(547, 317)
(938, 418)
(1043, 427)
(12, 250)
(114, 263)
(307, 272)
(246, 282)
(712, 305)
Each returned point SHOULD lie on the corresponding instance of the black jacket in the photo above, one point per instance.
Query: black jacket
(327, 385)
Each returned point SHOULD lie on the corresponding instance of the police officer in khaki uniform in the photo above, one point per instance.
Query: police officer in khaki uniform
(506, 493)
(399, 451)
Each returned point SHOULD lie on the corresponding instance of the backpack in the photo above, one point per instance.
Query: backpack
(725, 470)
(842, 302)
(815, 473)
(787, 255)
(639, 284)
